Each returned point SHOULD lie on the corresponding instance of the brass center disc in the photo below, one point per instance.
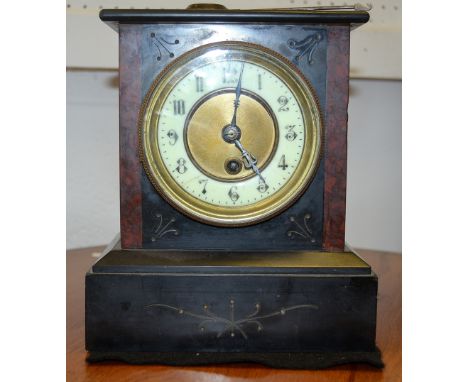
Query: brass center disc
(204, 139)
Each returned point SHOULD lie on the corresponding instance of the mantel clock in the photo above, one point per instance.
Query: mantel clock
(232, 131)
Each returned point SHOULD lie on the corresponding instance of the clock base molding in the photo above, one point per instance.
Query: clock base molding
(296, 360)
(303, 310)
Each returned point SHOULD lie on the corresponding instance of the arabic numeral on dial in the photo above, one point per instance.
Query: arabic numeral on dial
(233, 194)
(282, 163)
(199, 84)
(262, 187)
(172, 135)
(291, 134)
(283, 101)
(179, 107)
(204, 182)
(181, 168)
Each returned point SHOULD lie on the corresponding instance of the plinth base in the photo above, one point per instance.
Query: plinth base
(305, 310)
(306, 361)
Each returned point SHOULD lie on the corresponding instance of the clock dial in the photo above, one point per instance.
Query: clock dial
(230, 134)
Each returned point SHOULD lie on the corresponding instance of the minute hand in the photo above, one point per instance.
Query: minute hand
(250, 161)
(238, 94)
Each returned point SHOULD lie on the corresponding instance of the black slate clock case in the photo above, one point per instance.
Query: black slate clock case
(196, 294)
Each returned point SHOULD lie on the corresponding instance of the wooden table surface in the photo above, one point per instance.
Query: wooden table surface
(386, 265)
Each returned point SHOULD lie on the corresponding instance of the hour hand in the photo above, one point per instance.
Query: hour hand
(249, 160)
(248, 163)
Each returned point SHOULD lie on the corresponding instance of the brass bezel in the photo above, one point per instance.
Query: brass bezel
(265, 208)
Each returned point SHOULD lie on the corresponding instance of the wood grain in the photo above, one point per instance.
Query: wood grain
(386, 265)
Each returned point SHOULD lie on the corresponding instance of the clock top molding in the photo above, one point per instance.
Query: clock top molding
(278, 16)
